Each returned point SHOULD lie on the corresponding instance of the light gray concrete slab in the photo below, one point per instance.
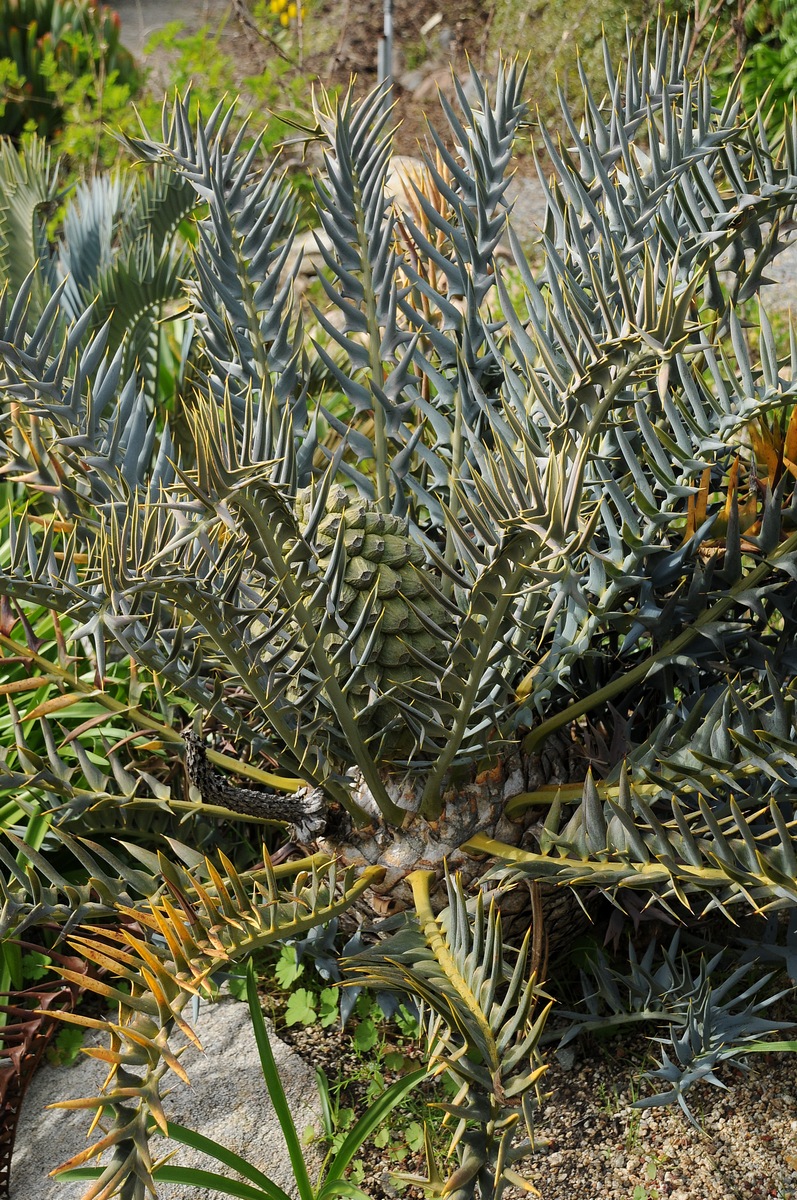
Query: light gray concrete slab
(227, 1101)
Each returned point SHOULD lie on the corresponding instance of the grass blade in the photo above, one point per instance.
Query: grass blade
(276, 1090)
(206, 1145)
(366, 1125)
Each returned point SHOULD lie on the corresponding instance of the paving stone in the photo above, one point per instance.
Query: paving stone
(227, 1101)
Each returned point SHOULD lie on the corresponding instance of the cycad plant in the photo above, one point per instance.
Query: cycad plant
(118, 257)
(525, 528)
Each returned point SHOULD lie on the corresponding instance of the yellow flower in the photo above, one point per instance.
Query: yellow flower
(291, 11)
(284, 20)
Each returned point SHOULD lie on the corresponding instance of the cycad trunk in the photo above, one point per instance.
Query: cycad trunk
(472, 804)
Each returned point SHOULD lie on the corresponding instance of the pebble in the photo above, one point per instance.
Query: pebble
(742, 1151)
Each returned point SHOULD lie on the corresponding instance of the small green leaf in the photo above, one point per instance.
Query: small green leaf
(381, 1137)
(66, 1046)
(329, 1006)
(35, 966)
(414, 1135)
(365, 1035)
(407, 1024)
(394, 1060)
(236, 985)
(309, 1135)
(301, 1008)
(288, 968)
(367, 1006)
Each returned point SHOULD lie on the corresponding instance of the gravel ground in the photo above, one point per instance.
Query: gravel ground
(600, 1148)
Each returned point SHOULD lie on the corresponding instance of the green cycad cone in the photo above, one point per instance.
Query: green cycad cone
(379, 609)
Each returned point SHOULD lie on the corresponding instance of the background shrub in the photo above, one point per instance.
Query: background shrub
(53, 52)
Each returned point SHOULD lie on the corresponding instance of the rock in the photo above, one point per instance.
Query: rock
(527, 198)
(410, 81)
(227, 1101)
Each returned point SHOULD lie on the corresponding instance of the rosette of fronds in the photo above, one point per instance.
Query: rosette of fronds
(483, 1014)
(119, 255)
(496, 528)
(164, 953)
(708, 1022)
(708, 822)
